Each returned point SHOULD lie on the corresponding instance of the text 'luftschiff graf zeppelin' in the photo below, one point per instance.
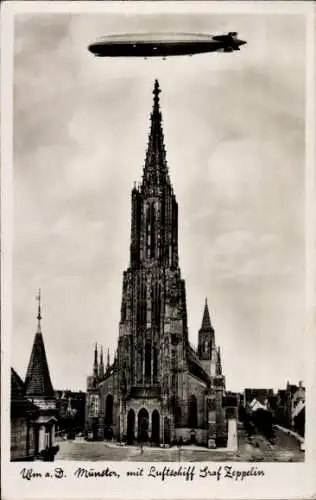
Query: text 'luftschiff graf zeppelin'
(187, 473)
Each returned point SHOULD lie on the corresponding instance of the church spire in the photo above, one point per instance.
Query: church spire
(206, 321)
(206, 336)
(156, 169)
(37, 381)
(108, 360)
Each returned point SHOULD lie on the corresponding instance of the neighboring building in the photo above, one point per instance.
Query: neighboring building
(23, 412)
(261, 396)
(159, 388)
(256, 412)
(287, 406)
(281, 409)
(296, 404)
(290, 410)
(33, 405)
(71, 411)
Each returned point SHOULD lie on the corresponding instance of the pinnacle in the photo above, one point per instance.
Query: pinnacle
(218, 362)
(96, 354)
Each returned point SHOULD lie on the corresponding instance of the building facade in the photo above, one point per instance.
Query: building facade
(158, 388)
(22, 414)
(70, 407)
(33, 406)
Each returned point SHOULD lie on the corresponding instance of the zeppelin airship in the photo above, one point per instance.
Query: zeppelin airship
(164, 44)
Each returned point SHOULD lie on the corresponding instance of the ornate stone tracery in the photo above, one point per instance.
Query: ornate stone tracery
(160, 383)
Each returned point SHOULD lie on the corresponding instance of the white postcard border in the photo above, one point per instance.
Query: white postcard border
(281, 480)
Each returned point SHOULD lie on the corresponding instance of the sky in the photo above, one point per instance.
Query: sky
(234, 134)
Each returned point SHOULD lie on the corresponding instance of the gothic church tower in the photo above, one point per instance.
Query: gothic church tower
(153, 312)
(158, 385)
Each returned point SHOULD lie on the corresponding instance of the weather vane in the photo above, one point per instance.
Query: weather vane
(39, 315)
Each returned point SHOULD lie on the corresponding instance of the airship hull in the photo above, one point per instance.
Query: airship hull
(150, 49)
(153, 45)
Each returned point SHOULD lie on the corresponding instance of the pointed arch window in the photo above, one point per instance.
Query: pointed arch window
(155, 364)
(148, 362)
(139, 375)
(152, 226)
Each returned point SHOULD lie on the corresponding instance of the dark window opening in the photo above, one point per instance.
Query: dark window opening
(192, 412)
(155, 364)
(109, 410)
(148, 363)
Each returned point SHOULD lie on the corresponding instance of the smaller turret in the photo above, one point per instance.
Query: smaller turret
(206, 336)
(207, 351)
(101, 365)
(37, 381)
(218, 363)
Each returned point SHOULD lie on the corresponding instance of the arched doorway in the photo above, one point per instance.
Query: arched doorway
(143, 422)
(166, 430)
(155, 427)
(108, 418)
(109, 410)
(95, 425)
(130, 426)
(192, 412)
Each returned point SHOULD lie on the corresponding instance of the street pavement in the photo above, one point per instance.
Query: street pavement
(286, 449)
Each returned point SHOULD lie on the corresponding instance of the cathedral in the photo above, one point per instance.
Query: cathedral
(159, 389)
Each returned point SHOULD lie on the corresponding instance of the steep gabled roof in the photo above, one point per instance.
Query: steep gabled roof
(37, 381)
(20, 405)
(17, 385)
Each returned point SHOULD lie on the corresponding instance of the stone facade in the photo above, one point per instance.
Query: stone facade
(158, 388)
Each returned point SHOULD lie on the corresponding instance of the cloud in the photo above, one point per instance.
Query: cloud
(234, 133)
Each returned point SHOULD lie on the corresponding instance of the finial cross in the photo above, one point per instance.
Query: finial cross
(39, 315)
(157, 90)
